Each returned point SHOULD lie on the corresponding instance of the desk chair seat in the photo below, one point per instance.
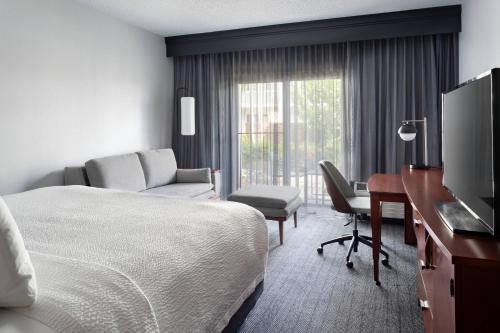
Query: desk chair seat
(360, 205)
(345, 200)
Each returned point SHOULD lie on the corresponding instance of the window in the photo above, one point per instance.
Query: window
(260, 133)
(285, 129)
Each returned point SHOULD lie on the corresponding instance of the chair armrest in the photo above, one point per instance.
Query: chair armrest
(217, 181)
(194, 175)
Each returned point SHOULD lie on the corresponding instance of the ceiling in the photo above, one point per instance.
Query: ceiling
(179, 17)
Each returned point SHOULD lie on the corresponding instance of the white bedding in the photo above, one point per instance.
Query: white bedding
(121, 261)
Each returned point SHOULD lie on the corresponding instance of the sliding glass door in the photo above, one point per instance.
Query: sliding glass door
(261, 133)
(285, 129)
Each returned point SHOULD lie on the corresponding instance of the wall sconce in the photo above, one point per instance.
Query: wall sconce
(188, 126)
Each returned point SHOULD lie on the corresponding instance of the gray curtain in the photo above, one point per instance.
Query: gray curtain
(207, 78)
(383, 82)
(391, 80)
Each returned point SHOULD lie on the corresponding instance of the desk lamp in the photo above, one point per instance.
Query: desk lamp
(408, 132)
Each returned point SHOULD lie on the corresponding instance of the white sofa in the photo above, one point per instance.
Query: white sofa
(152, 171)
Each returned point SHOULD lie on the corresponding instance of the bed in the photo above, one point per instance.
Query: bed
(118, 261)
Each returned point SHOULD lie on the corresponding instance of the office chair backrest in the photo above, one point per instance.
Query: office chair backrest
(337, 187)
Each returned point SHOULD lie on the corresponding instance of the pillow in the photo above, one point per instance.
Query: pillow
(76, 176)
(160, 167)
(120, 172)
(17, 275)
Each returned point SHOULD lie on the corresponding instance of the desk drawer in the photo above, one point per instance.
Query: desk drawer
(443, 292)
(426, 272)
(423, 299)
(434, 290)
(420, 234)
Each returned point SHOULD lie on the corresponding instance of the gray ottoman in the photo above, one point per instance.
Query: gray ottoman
(277, 203)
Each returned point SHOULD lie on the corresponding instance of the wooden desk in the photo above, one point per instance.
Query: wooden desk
(388, 188)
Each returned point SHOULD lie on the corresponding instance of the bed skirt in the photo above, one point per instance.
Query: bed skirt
(239, 317)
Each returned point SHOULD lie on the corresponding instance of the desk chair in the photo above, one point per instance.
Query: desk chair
(345, 200)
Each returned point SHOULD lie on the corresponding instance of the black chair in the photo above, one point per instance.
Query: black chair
(345, 200)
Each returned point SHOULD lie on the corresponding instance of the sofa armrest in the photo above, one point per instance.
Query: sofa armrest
(217, 181)
(194, 175)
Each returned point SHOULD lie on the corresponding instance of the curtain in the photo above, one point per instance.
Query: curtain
(268, 116)
(391, 80)
(209, 79)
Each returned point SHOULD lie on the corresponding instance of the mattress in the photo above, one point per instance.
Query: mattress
(116, 261)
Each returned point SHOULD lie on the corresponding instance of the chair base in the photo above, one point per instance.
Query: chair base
(355, 239)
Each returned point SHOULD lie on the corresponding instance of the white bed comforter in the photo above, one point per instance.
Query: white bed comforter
(119, 261)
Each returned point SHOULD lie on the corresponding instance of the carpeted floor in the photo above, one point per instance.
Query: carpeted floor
(307, 292)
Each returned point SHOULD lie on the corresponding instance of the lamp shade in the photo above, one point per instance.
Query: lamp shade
(187, 116)
(407, 132)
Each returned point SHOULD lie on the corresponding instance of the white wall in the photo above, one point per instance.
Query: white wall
(480, 38)
(75, 84)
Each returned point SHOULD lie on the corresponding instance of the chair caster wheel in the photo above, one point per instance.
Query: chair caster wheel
(378, 284)
(349, 264)
(385, 262)
(320, 250)
(341, 242)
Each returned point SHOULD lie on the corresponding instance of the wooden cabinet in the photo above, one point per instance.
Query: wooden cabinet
(424, 278)
(443, 291)
(458, 275)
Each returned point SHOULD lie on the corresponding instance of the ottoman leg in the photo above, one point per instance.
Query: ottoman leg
(281, 231)
(295, 219)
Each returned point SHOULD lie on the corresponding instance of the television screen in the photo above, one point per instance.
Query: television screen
(468, 147)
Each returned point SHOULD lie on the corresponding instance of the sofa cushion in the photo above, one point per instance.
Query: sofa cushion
(194, 175)
(281, 212)
(160, 167)
(206, 195)
(185, 190)
(76, 176)
(360, 204)
(265, 196)
(122, 172)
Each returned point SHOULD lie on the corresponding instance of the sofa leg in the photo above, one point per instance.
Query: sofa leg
(281, 231)
(295, 219)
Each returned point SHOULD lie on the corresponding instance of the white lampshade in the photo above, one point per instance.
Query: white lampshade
(407, 132)
(408, 136)
(187, 116)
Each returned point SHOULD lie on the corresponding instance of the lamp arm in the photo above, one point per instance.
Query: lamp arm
(414, 120)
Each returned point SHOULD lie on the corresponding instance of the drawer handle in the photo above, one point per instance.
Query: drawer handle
(425, 266)
(423, 304)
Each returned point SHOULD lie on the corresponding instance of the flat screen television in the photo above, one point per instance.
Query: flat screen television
(470, 135)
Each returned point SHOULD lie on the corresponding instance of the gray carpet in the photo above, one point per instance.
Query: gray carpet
(306, 292)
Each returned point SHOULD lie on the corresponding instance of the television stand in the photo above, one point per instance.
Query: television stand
(456, 217)
(458, 274)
